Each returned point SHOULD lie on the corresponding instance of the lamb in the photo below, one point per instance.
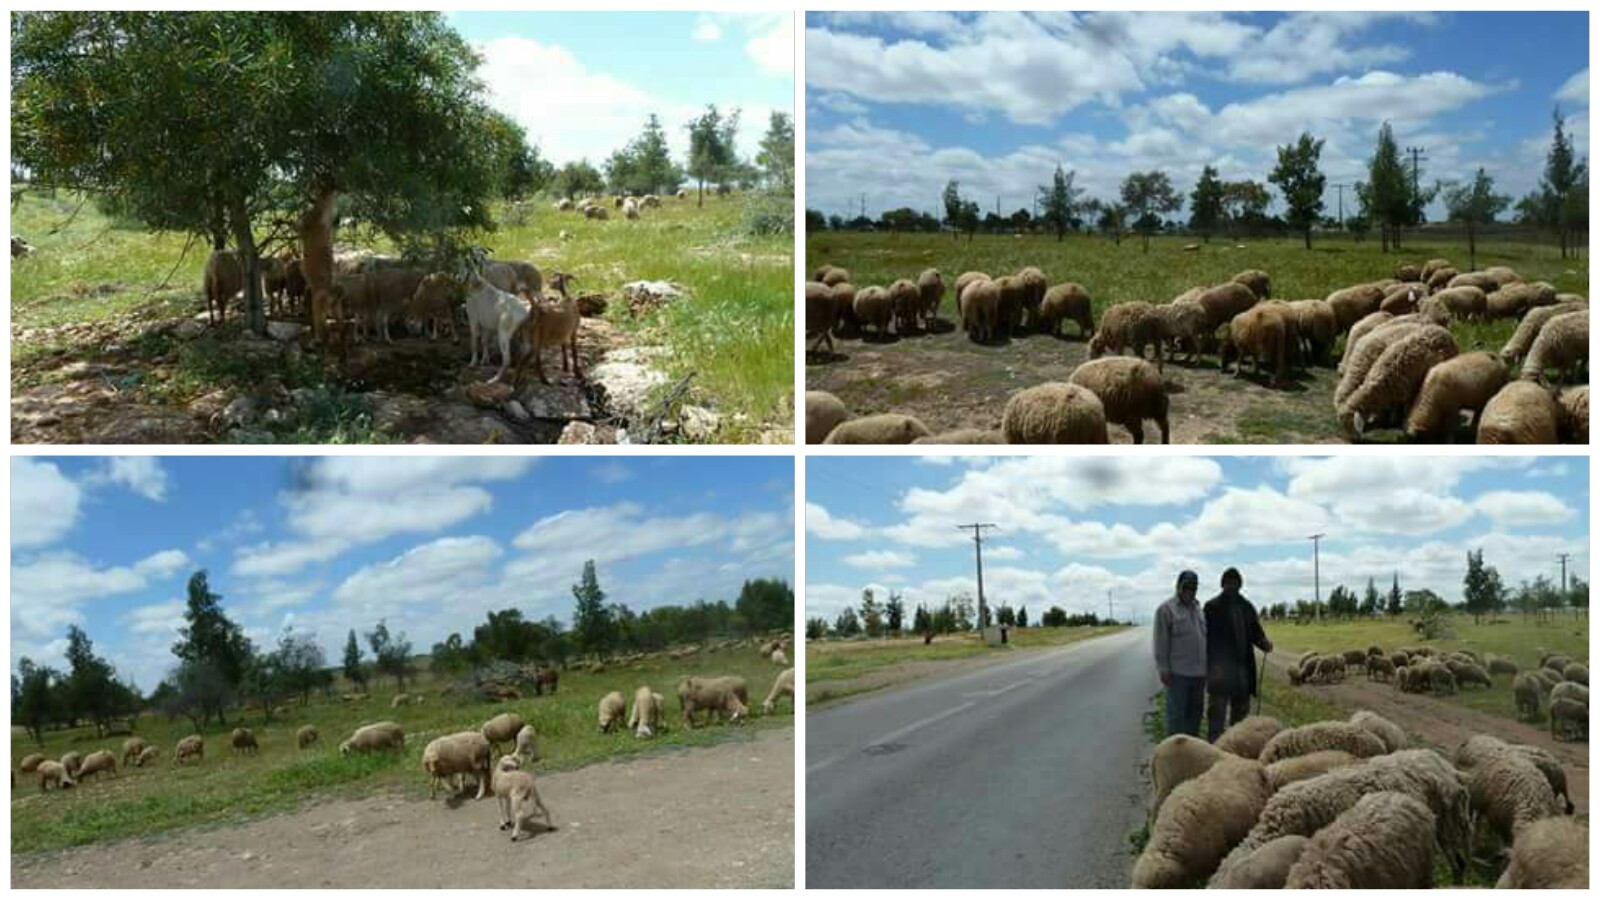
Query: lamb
(454, 755)
(1067, 302)
(1317, 328)
(1514, 299)
(194, 745)
(305, 736)
(554, 323)
(873, 306)
(824, 412)
(1285, 772)
(1248, 736)
(1133, 325)
(1522, 339)
(1576, 672)
(147, 755)
(885, 428)
(979, 302)
(131, 748)
(95, 763)
(53, 773)
(1386, 840)
(964, 436)
(377, 736)
(1563, 345)
(1550, 853)
(244, 741)
(1568, 718)
(528, 745)
(1225, 301)
(493, 314)
(1054, 413)
(1520, 413)
(1259, 282)
(612, 711)
(782, 686)
(1176, 760)
(648, 713)
(1466, 382)
(1261, 333)
(1200, 822)
(222, 281)
(1129, 390)
(518, 797)
(1344, 736)
(714, 695)
(502, 729)
(930, 286)
(1265, 868)
(1353, 303)
(1392, 736)
(1572, 414)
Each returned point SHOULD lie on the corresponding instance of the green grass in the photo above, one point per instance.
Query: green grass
(225, 788)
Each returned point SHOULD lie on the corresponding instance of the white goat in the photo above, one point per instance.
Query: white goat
(493, 314)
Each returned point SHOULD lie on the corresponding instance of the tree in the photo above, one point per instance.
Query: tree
(1022, 617)
(1481, 588)
(35, 697)
(1054, 617)
(592, 623)
(353, 670)
(1244, 203)
(1578, 596)
(871, 614)
(1148, 195)
(894, 613)
(1370, 600)
(578, 179)
(776, 153)
(506, 635)
(522, 170)
(211, 641)
(847, 625)
(711, 147)
(644, 165)
(276, 110)
(921, 621)
(1388, 193)
(1301, 183)
(962, 609)
(1396, 604)
(816, 628)
(391, 654)
(1205, 203)
(815, 221)
(1113, 220)
(1561, 201)
(1006, 616)
(301, 662)
(765, 604)
(1058, 202)
(91, 686)
(959, 214)
(452, 654)
(1474, 205)
(200, 691)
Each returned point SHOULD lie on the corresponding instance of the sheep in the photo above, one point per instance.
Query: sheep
(131, 748)
(1440, 679)
(1386, 840)
(1129, 390)
(1556, 660)
(1569, 719)
(194, 745)
(1200, 822)
(1549, 853)
(1133, 326)
(1392, 736)
(1054, 413)
(682, 194)
(1461, 302)
(885, 428)
(778, 659)
(964, 279)
(1506, 788)
(1409, 271)
(1550, 680)
(1551, 769)
(1355, 657)
(377, 736)
(147, 755)
(1178, 759)
(596, 212)
(1322, 736)
(502, 729)
(1563, 345)
(1067, 302)
(1434, 265)
(1482, 281)
(830, 275)
(1285, 772)
(95, 763)
(1034, 287)
(1184, 325)
(53, 773)
(1014, 293)
(714, 695)
(964, 436)
(906, 301)
(630, 209)
(528, 745)
(1526, 689)
(930, 287)
(72, 761)
(554, 322)
(31, 762)
(1248, 736)
(519, 798)
(1225, 301)
(845, 323)
(1520, 413)
(1361, 329)
(874, 307)
(1466, 382)
(782, 686)
(1441, 277)
(1393, 380)
(979, 303)
(1514, 299)
(1522, 339)
(1572, 414)
(1379, 668)
(1316, 327)
(1265, 868)
(648, 713)
(1503, 275)
(1262, 334)
(824, 412)
(564, 205)
(1353, 303)
(1576, 672)
(454, 755)
(612, 711)
(222, 280)
(244, 741)
(399, 700)
(1259, 282)
(305, 736)
(435, 302)
(1470, 673)
(650, 201)
(1403, 298)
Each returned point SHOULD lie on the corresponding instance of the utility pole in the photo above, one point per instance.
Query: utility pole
(1416, 156)
(1316, 572)
(1340, 188)
(1563, 557)
(977, 546)
(863, 205)
(1110, 607)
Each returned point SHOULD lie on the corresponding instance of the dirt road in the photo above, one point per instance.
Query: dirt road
(716, 817)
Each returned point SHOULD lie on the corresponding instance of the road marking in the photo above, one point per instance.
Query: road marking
(995, 692)
(893, 735)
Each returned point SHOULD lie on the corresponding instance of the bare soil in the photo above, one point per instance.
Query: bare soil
(715, 817)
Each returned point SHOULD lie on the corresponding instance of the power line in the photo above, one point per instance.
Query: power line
(1563, 557)
(977, 546)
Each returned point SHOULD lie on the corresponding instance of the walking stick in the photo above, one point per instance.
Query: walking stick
(1260, 679)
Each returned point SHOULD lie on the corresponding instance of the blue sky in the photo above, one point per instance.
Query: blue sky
(583, 83)
(1072, 528)
(328, 544)
(897, 104)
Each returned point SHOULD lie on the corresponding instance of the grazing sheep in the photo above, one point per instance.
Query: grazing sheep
(1551, 769)
(821, 316)
(1440, 679)
(454, 755)
(682, 194)
(1391, 734)
(930, 286)
(1409, 272)
(782, 686)
(222, 281)
(72, 761)
(1576, 672)
(1441, 277)
(1514, 299)
(53, 773)
(1360, 330)
(1130, 391)
(824, 412)
(1502, 275)
(1225, 301)
(630, 209)
(194, 745)
(1132, 326)
(1034, 287)
(95, 763)
(1522, 339)
(147, 755)
(832, 275)
(778, 659)
(1468, 673)
(845, 323)
(1014, 293)
(1482, 281)
(244, 741)
(906, 301)
(1555, 660)
(1248, 736)
(1526, 690)
(979, 302)
(1520, 413)
(1285, 772)
(1054, 413)
(873, 306)
(1403, 299)
(1067, 302)
(1563, 345)
(528, 745)
(1432, 266)
(434, 303)
(1506, 788)
(1265, 868)
(305, 736)
(502, 729)
(647, 716)
(1550, 853)
(885, 428)
(1353, 303)
(1379, 668)
(1569, 719)
(519, 798)
(596, 212)
(964, 279)
(1386, 388)
(1259, 282)
(1177, 759)
(1550, 680)
(1316, 327)
(377, 736)
(1572, 411)
(131, 748)
(1386, 840)
(1184, 325)
(1355, 657)
(1202, 820)
(724, 695)
(964, 436)
(31, 762)
(1264, 334)
(613, 709)
(1344, 736)
(1467, 383)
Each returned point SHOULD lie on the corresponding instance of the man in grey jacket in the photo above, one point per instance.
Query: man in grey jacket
(1180, 650)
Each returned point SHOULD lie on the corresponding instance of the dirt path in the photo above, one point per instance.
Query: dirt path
(1444, 725)
(650, 822)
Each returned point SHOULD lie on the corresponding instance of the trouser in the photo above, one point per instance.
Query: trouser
(1185, 703)
(1223, 710)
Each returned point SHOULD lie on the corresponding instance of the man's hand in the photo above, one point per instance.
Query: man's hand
(1166, 679)
(1266, 645)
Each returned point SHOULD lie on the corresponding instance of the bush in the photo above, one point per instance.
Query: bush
(767, 214)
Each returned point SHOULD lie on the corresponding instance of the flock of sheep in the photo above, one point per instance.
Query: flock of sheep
(1557, 681)
(629, 206)
(1401, 365)
(1349, 805)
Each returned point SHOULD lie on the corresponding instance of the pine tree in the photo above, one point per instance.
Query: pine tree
(1396, 599)
(592, 623)
(1205, 204)
(894, 613)
(353, 671)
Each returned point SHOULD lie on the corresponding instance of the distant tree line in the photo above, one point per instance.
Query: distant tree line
(875, 618)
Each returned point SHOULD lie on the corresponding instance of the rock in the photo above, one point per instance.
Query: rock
(517, 411)
(489, 396)
(556, 401)
(242, 410)
(435, 422)
(578, 433)
(699, 424)
(284, 331)
(208, 406)
(189, 329)
(625, 379)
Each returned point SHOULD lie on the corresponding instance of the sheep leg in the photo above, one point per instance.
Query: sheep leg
(578, 373)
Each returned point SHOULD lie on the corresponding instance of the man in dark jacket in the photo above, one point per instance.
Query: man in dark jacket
(1233, 631)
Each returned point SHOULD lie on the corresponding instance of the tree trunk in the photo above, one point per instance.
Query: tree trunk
(700, 198)
(1308, 238)
(244, 236)
(1472, 248)
(316, 239)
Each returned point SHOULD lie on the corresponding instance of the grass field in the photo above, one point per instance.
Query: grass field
(950, 382)
(734, 331)
(226, 788)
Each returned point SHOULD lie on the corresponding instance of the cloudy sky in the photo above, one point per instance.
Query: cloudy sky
(582, 84)
(897, 104)
(329, 544)
(1072, 528)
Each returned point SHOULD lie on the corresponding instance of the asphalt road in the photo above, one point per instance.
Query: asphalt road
(1025, 774)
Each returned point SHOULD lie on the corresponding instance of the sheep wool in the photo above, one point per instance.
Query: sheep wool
(885, 428)
(1522, 412)
(824, 412)
(1393, 737)
(612, 711)
(1130, 391)
(1550, 853)
(1202, 820)
(1054, 413)
(1385, 841)
(1247, 737)
(1344, 736)
(1285, 772)
(1465, 383)
(1177, 759)
(1265, 868)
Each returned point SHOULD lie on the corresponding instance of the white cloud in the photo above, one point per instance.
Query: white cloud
(881, 559)
(144, 475)
(162, 564)
(706, 30)
(611, 472)
(1576, 89)
(438, 572)
(44, 503)
(1513, 509)
(49, 592)
(271, 559)
(822, 524)
(157, 620)
(772, 50)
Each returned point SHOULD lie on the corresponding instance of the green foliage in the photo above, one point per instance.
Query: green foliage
(871, 614)
(816, 628)
(36, 697)
(712, 154)
(767, 214)
(578, 179)
(1148, 196)
(1301, 183)
(846, 624)
(212, 650)
(1205, 203)
(353, 670)
(592, 621)
(1481, 590)
(1058, 202)
(1473, 205)
(776, 153)
(644, 166)
(391, 654)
